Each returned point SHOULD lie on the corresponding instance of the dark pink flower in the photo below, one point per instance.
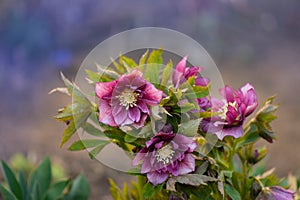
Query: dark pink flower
(233, 109)
(125, 101)
(182, 73)
(166, 154)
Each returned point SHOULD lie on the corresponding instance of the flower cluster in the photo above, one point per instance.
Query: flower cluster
(164, 118)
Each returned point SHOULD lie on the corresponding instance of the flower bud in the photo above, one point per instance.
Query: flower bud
(253, 155)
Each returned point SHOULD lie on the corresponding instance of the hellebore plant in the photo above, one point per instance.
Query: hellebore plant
(183, 142)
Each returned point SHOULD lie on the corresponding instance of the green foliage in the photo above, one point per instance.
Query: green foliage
(40, 185)
(138, 190)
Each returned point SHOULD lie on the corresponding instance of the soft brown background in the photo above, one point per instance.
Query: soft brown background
(250, 41)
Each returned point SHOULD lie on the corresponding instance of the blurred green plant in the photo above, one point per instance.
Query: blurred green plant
(27, 164)
(39, 185)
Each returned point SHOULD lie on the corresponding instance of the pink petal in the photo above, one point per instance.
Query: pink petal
(246, 88)
(181, 66)
(187, 165)
(104, 88)
(141, 123)
(235, 132)
(120, 117)
(157, 178)
(143, 106)
(134, 114)
(105, 113)
(146, 166)
(152, 96)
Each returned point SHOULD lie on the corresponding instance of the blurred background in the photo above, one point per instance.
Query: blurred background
(250, 41)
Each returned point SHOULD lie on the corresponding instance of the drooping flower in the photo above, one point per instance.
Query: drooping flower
(166, 154)
(182, 73)
(126, 101)
(233, 109)
(276, 193)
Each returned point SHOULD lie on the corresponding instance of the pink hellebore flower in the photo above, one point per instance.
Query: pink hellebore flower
(166, 154)
(236, 106)
(182, 73)
(125, 101)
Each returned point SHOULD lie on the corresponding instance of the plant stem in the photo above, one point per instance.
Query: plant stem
(141, 182)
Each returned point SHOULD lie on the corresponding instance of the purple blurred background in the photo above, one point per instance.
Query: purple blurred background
(251, 41)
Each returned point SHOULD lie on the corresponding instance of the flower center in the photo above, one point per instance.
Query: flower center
(165, 154)
(225, 109)
(128, 98)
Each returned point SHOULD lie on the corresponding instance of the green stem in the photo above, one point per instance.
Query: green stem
(232, 152)
(141, 182)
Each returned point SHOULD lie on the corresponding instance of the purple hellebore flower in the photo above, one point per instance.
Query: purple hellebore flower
(234, 108)
(165, 154)
(182, 73)
(125, 101)
(276, 193)
(282, 194)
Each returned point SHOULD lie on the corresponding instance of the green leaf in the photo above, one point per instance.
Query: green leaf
(7, 195)
(23, 184)
(119, 67)
(153, 66)
(92, 130)
(80, 189)
(202, 168)
(40, 178)
(106, 74)
(130, 138)
(94, 76)
(197, 92)
(115, 134)
(251, 136)
(125, 192)
(11, 180)
(80, 119)
(189, 128)
(149, 190)
(62, 90)
(264, 117)
(35, 192)
(97, 149)
(128, 63)
(143, 60)
(156, 57)
(85, 144)
(232, 192)
(135, 171)
(186, 107)
(166, 75)
(68, 132)
(115, 190)
(189, 179)
(56, 190)
(74, 91)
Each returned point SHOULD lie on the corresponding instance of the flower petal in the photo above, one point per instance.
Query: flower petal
(187, 165)
(104, 88)
(235, 131)
(134, 114)
(121, 116)
(105, 113)
(157, 178)
(152, 96)
(143, 106)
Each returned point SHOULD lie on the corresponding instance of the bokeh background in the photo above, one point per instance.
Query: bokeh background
(250, 41)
